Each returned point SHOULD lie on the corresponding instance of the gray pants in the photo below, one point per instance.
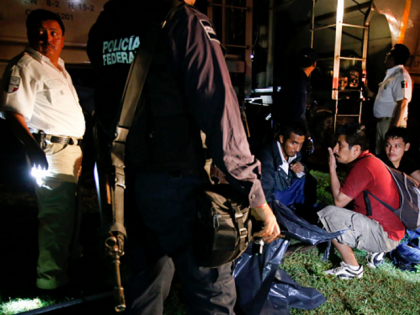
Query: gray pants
(361, 232)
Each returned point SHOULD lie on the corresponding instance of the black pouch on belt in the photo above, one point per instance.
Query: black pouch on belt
(223, 227)
(40, 138)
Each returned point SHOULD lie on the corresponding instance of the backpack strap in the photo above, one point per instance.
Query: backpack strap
(366, 194)
(367, 201)
(243, 231)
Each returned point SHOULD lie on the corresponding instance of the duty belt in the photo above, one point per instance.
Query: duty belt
(63, 140)
(43, 139)
(383, 118)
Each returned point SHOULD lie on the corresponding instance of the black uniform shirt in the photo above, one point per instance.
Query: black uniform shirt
(407, 165)
(293, 98)
(197, 61)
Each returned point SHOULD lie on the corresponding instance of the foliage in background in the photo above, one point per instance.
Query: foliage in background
(323, 192)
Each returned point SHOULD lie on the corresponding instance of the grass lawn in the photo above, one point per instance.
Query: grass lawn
(385, 290)
(15, 306)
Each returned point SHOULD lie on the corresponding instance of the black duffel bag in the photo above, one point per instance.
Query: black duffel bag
(223, 228)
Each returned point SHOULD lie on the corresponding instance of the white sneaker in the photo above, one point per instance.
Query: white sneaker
(345, 271)
(374, 259)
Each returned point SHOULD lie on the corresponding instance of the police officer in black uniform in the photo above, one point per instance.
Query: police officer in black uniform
(187, 89)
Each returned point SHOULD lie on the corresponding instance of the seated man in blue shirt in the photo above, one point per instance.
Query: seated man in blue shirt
(284, 176)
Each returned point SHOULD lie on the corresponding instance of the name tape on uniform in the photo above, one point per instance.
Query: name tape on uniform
(121, 50)
(208, 28)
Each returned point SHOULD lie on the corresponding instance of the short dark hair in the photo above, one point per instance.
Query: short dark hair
(355, 135)
(306, 57)
(400, 53)
(397, 132)
(40, 15)
(296, 126)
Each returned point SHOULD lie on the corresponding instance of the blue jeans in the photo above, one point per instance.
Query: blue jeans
(167, 207)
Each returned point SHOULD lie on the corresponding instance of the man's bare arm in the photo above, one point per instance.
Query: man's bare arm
(20, 129)
(400, 109)
(340, 199)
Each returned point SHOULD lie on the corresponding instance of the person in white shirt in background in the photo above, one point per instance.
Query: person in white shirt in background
(394, 94)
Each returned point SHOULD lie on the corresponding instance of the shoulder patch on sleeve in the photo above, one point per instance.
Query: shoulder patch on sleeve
(404, 84)
(208, 28)
(13, 84)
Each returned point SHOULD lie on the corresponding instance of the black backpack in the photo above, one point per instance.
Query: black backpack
(408, 210)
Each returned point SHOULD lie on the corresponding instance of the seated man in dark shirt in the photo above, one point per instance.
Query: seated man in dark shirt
(284, 176)
(396, 144)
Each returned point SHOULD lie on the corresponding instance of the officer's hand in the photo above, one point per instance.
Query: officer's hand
(37, 156)
(331, 160)
(271, 229)
(297, 167)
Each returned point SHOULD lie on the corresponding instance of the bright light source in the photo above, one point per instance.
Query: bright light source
(39, 174)
(340, 11)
